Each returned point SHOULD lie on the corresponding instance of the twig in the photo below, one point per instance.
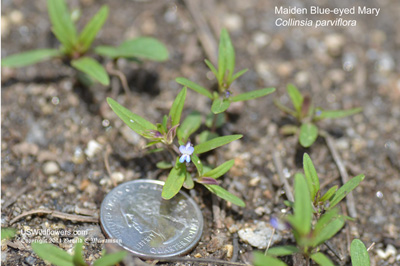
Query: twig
(279, 168)
(235, 248)
(334, 250)
(202, 260)
(269, 242)
(343, 173)
(204, 33)
(107, 164)
(370, 247)
(120, 75)
(57, 214)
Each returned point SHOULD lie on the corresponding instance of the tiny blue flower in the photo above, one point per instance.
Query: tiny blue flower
(278, 224)
(186, 151)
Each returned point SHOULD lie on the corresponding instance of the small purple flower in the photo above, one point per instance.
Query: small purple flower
(186, 151)
(278, 224)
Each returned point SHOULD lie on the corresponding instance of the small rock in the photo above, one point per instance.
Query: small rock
(45, 156)
(302, 78)
(5, 26)
(50, 168)
(334, 44)
(25, 148)
(389, 252)
(16, 17)
(78, 157)
(261, 39)
(229, 250)
(117, 177)
(259, 235)
(233, 22)
(93, 147)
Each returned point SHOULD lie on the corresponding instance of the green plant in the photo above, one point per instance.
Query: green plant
(359, 254)
(222, 98)
(311, 224)
(75, 47)
(8, 233)
(59, 257)
(307, 116)
(181, 151)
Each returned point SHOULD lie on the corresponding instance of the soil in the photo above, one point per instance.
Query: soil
(48, 120)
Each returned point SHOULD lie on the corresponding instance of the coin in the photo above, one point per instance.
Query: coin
(136, 216)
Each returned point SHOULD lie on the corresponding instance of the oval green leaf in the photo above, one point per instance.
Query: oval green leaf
(144, 48)
(259, 259)
(177, 107)
(296, 97)
(324, 114)
(189, 125)
(174, 181)
(321, 259)
(283, 250)
(52, 254)
(308, 134)
(93, 68)
(311, 176)
(359, 254)
(110, 259)
(220, 105)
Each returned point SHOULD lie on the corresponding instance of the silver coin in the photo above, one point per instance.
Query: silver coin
(136, 217)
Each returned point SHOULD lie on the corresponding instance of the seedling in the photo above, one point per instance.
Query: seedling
(183, 155)
(315, 219)
(59, 257)
(8, 233)
(359, 254)
(76, 47)
(307, 116)
(223, 96)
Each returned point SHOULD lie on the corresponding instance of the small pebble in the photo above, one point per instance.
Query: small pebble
(50, 168)
(334, 44)
(16, 17)
(259, 235)
(117, 177)
(233, 22)
(93, 147)
(389, 252)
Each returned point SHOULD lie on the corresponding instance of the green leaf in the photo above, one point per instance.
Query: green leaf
(224, 194)
(78, 257)
(301, 220)
(359, 254)
(93, 68)
(238, 74)
(345, 189)
(8, 233)
(194, 86)
(284, 108)
(145, 48)
(219, 106)
(321, 259)
(190, 124)
(226, 57)
(164, 165)
(324, 114)
(329, 194)
(252, 95)
(308, 134)
(296, 97)
(92, 28)
(325, 219)
(311, 176)
(198, 164)
(328, 231)
(215, 143)
(110, 259)
(29, 58)
(212, 68)
(259, 259)
(177, 107)
(283, 251)
(220, 170)
(174, 181)
(135, 122)
(107, 51)
(52, 254)
(189, 183)
(62, 24)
